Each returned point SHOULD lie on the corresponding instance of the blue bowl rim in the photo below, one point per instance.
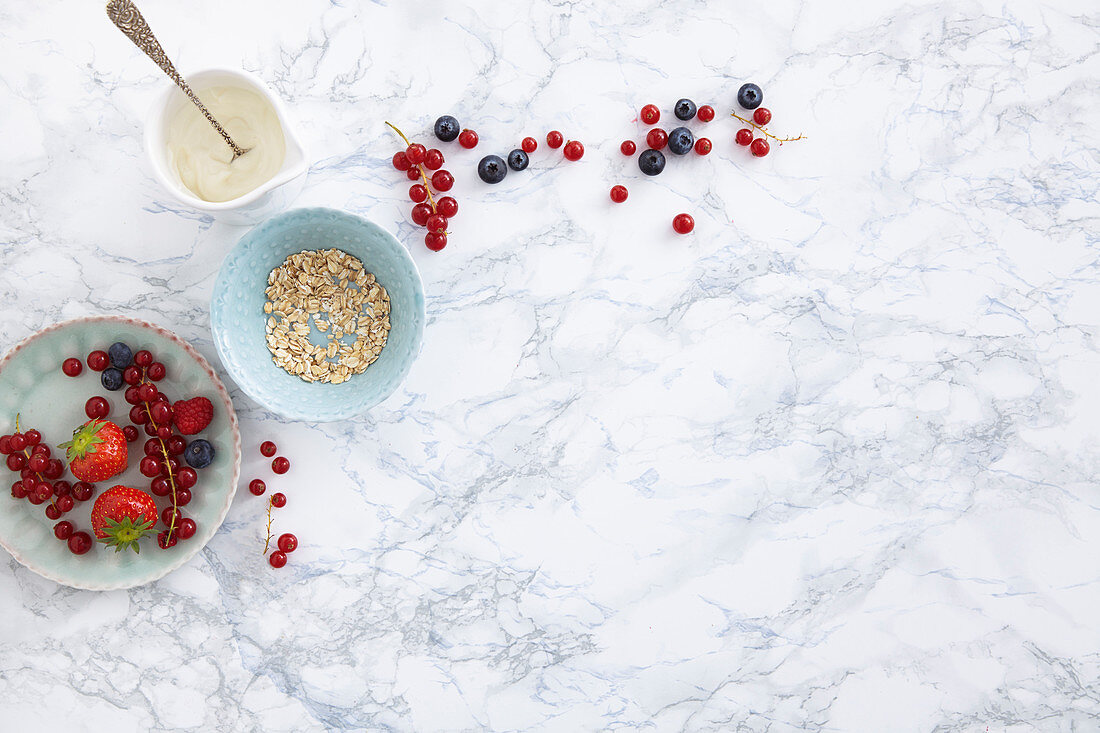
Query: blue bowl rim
(258, 231)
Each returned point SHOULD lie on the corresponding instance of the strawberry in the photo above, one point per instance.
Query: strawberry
(192, 415)
(97, 451)
(121, 516)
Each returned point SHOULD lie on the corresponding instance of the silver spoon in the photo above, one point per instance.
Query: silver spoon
(129, 20)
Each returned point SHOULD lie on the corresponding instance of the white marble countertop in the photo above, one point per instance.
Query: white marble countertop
(828, 463)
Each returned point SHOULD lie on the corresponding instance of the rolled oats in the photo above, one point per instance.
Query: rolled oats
(333, 283)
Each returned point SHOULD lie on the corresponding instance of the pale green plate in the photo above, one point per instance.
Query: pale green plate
(32, 384)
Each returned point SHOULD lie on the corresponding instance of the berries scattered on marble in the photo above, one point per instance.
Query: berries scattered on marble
(705, 113)
(685, 109)
(447, 128)
(529, 145)
(277, 559)
(468, 139)
(287, 542)
(750, 96)
(492, 169)
(280, 465)
(628, 148)
(554, 139)
(759, 147)
(683, 223)
(744, 136)
(619, 194)
(518, 160)
(656, 138)
(650, 114)
(762, 116)
(573, 150)
(651, 162)
(268, 449)
(680, 141)
(278, 500)
(703, 146)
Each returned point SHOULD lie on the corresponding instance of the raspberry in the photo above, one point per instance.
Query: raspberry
(193, 415)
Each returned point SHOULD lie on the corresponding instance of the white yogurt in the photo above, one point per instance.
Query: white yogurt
(204, 161)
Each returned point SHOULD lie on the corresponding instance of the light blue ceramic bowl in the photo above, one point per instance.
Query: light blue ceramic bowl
(238, 321)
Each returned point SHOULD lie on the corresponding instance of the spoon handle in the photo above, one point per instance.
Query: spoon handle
(125, 15)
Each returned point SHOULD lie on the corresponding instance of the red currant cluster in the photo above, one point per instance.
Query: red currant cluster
(750, 96)
(40, 482)
(151, 409)
(287, 542)
(416, 161)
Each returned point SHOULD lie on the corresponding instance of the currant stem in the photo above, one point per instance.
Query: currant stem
(764, 130)
(423, 175)
(267, 541)
(164, 451)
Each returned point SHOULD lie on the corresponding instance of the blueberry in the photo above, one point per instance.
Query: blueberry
(749, 96)
(199, 453)
(651, 162)
(120, 354)
(518, 160)
(492, 169)
(685, 109)
(446, 128)
(111, 378)
(680, 141)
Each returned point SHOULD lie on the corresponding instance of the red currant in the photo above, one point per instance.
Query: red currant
(288, 542)
(619, 194)
(65, 503)
(72, 367)
(151, 429)
(131, 375)
(529, 145)
(280, 465)
(176, 445)
(97, 407)
(442, 181)
(683, 223)
(43, 490)
(400, 161)
(435, 241)
(744, 136)
(17, 461)
(54, 469)
(80, 542)
(156, 371)
(437, 223)
(17, 442)
(41, 448)
(53, 512)
(762, 116)
(98, 360)
(170, 513)
(573, 150)
(63, 530)
(131, 395)
(433, 160)
(33, 437)
(17, 490)
(257, 486)
(5, 444)
(415, 153)
(149, 467)
(183, 497)
(164, 540)
(138, 416)
(278, 500)
(62, 488)
(760, 147)
(650, 114)
(417, 192)
(628, 147)
(37, 462)
(143, 358)
(447, 207)
(82, 490)
(703, 146)
(705, 113)
(468, 139)
(186, 528)
(160, 486)
(152, 447)
(277, 559)
(657, 138)
(131, 433)
(162, 413)
(420, 214)
(187, 477)
(164, 432)
(147, 392)
(554, 139)
(413, 174)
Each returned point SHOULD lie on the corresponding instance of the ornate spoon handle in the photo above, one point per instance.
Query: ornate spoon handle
(125, 15)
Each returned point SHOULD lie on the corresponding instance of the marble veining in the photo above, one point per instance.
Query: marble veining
(828, 463)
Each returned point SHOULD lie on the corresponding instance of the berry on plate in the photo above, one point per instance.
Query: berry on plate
(121, 516)
(193, 415)
(111, 378)
(120, 354)
(199, 453)
(97, 451)
(72, 367)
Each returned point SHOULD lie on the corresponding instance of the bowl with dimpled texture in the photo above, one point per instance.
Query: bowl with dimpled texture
(238, 321)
